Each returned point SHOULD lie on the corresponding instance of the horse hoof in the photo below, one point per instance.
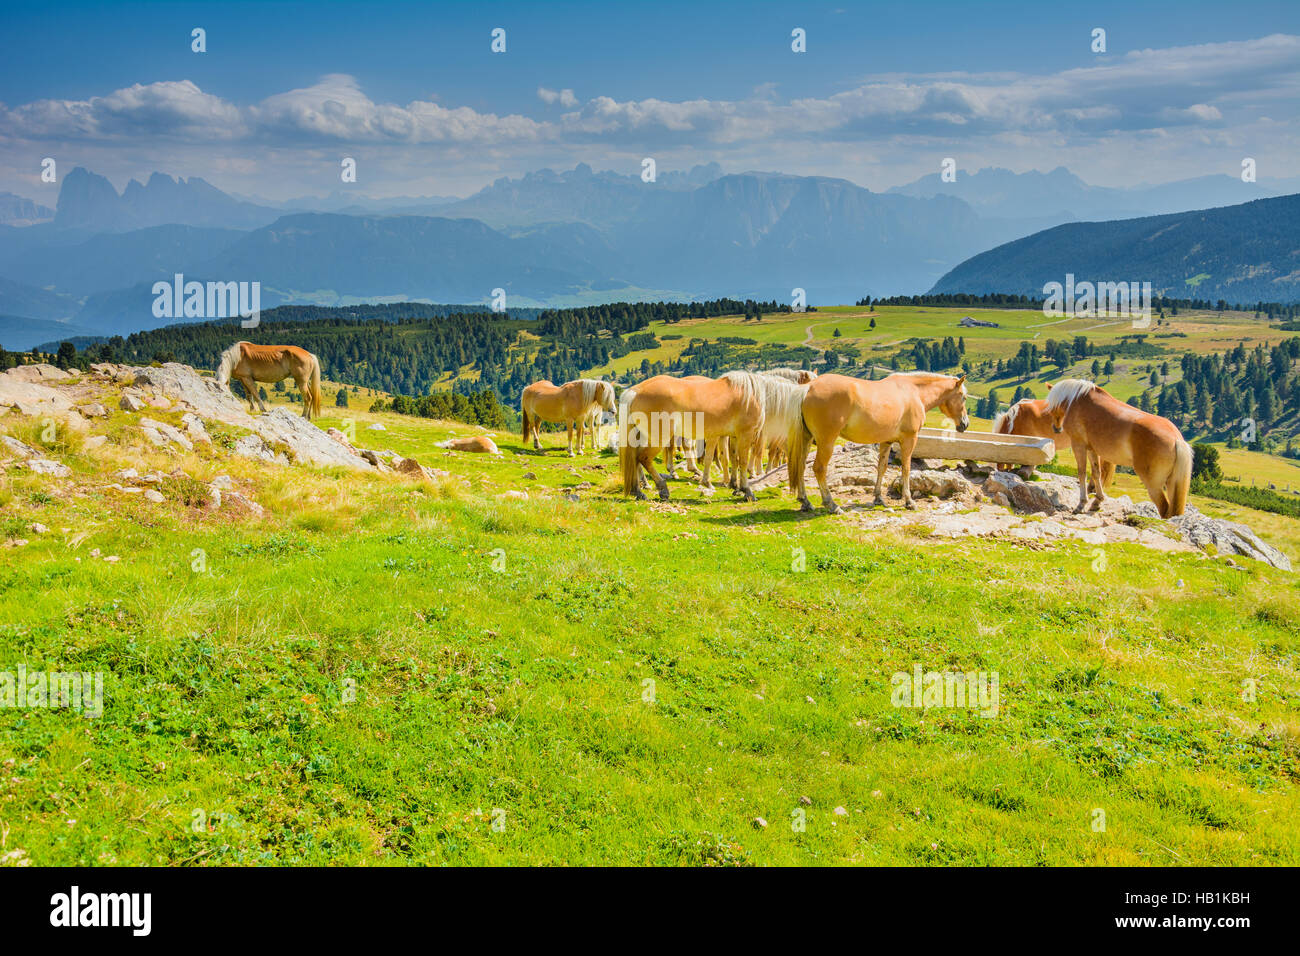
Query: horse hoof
(878, 503)
(806, 507)
(834, 509)
(663, 495)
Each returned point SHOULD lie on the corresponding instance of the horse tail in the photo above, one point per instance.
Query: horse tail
(797, 448)
(1180, 478)
(313, 386)
(627, 463)
(627, 445)
(523, 412)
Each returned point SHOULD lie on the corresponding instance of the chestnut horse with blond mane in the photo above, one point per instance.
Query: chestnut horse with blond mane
(872, 413)
(1100, 427)
(734, 406)
(1029, 416)
(572, 403)
(251, 364)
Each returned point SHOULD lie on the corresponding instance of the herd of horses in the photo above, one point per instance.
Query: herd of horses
(742, 419)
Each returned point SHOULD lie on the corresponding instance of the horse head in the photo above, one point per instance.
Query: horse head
(954, 404)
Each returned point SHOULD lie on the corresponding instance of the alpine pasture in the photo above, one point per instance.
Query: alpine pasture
(386, 670)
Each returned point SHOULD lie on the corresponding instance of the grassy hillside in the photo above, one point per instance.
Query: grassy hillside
(602, 681)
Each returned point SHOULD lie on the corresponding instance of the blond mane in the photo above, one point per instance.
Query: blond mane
(1064, 392)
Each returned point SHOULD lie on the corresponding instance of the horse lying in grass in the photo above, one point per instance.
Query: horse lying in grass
(1101, 427)
(572, 403)
(882, 412)
(1030, 416)
(251, 364)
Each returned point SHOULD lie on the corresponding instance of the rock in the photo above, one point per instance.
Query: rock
(529, 476)
(38, 528)
(255, 446)
(195, 428)
(760, 823)
(1227, 537)
(155, 497)
(32, 398)
(409, 466)
(222, 481)
(479, 444)
(935, 484)
(375, 459)
(339, 437)
(1029, 497)
(158, 402)
(131, 403)
(94, 441)
(376, 427)
(14, 446)
(37, 373)
(93, 410)
(233, 500)
(514, 495)
(43, 466)
(278, 428)
(162, 434)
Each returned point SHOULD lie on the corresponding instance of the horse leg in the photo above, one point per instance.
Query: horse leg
(710, 449)
(745, 450)
(882, 462)
(824, 451)
(1098, 483)
(907, 445)
(660, 482)
(250, 389)
(1081, 453)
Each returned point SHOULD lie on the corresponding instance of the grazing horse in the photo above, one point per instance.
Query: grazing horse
(572, 403)
(774, 433)
(881, 413)
(1100, 427)
(1030, 416)
(270, 363)
(660, 408)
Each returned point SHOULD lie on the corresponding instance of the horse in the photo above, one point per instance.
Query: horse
(1100, 426)
(882, 412)
(774, 436)
(658, 409)
(571, 403)
(271, 363)
(1029, 416)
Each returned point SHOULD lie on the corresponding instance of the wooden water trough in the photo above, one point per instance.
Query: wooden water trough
(983, 446)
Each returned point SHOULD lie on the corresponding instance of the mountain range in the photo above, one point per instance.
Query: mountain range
(580, 236)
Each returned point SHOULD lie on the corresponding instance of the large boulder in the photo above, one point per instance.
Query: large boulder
(1227, 537)
(935, 483)
(277, 428)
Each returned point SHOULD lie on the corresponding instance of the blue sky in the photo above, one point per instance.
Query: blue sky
(413, 91)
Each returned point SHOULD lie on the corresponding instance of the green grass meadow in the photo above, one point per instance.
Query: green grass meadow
(383, 672)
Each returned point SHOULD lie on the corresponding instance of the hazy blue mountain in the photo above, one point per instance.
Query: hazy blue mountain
(1244, 253)
(1062, 196)
(17, 211)
(89, 201)
(113, 260)
(20, 299)
(19, 333)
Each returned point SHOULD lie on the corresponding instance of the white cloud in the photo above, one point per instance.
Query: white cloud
(564, 97)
